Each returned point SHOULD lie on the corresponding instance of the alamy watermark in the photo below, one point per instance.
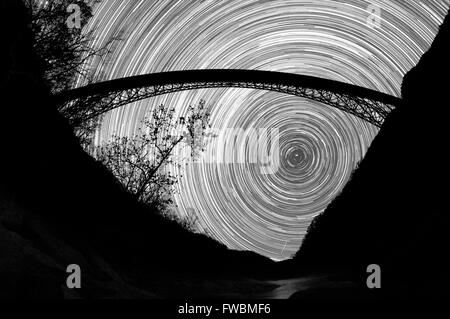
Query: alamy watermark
(74, 19)
(259, 146)
(374, 279)
(74, 279)
(374, 18)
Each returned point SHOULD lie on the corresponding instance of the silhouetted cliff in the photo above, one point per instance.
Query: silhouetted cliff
(58, 206)
(393, 212)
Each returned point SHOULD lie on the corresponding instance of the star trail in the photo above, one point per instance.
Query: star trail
(366, 43)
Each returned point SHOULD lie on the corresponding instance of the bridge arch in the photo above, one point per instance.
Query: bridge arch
(95, 99)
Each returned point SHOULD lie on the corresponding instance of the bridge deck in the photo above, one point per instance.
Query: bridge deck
(98, 98)
(232, 75)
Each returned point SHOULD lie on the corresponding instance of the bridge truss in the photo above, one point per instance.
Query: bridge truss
(88, 102)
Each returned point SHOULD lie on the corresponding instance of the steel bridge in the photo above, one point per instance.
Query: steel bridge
(85, 103)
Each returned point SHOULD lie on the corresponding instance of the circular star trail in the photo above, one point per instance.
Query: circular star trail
(370, 44)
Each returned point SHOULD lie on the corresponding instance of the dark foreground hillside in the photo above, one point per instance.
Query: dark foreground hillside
(59, 207)
(394, 211)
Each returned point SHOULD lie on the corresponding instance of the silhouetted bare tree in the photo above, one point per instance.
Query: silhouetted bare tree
(66, 52)
(144, 162)
(63, 48)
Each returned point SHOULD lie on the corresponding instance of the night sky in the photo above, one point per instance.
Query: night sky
(318, 146)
